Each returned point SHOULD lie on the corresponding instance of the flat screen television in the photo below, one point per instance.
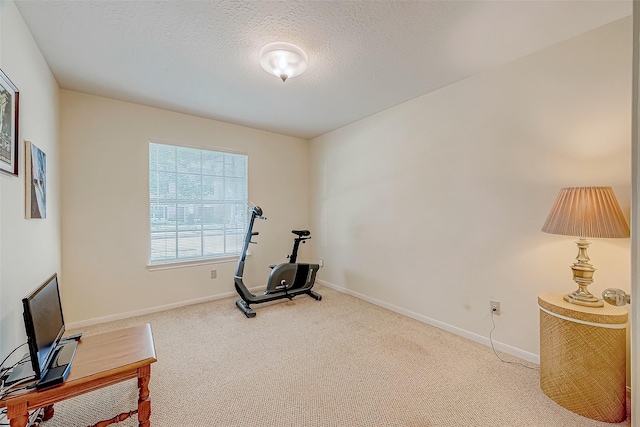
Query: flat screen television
(43, 322)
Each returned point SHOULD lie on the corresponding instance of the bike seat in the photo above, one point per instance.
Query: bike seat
(301, 233)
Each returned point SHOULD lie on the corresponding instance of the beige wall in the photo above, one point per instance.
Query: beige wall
(105, 204)
(434, 207)
(29, 249)
(635, 218)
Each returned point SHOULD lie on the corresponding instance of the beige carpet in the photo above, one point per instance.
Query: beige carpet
(338, 362)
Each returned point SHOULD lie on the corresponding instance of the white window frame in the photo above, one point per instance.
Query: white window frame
(189, 232)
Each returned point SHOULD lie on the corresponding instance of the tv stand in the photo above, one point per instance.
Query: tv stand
(100, 361)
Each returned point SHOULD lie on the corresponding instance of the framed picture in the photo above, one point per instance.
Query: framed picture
(35, 181)
(8, 126)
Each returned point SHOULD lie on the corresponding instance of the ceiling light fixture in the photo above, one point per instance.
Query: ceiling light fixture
(283, 60)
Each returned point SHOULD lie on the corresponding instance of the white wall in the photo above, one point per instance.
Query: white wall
(105, 204)
(435, 206)
(29, 249)
(635, 217)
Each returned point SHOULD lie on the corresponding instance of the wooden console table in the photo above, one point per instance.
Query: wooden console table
(101, 360)
(583, 357)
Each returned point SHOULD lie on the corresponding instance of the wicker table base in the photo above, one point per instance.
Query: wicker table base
(583, 357)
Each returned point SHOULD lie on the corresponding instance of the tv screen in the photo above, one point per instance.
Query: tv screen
(43, 322)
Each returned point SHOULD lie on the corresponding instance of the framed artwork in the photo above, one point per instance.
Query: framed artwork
(8, 126)
(36, 181)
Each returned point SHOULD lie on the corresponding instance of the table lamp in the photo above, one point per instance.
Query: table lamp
(586, 212)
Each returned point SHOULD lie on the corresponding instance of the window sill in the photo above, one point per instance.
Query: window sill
(192, 263)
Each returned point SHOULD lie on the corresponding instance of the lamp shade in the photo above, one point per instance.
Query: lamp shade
(587, 212)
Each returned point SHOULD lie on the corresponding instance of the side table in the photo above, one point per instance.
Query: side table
(583, 357)
(101, 360)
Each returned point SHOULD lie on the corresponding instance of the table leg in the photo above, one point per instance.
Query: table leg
(114, 420)
(17, 414)
(144, 404)
(48, 412)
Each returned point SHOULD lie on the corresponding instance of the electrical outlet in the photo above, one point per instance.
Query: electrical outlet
(495, 307)
(321, 262)
(214, 274)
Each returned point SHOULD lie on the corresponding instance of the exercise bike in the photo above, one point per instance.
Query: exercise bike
(285, 281)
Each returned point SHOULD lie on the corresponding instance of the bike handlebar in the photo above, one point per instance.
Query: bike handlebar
(257, 212)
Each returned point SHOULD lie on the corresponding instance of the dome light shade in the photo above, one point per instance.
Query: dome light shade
(283, 60)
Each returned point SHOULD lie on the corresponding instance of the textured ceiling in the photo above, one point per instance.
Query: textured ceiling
(202, 57)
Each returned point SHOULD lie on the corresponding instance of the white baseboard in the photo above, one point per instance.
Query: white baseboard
(530, 357)
(135, 313)
(534, 358)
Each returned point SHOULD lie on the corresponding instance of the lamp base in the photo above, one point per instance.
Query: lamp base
(583, 276)
(584, 300)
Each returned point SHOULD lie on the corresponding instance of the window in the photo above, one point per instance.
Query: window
(198, 203)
